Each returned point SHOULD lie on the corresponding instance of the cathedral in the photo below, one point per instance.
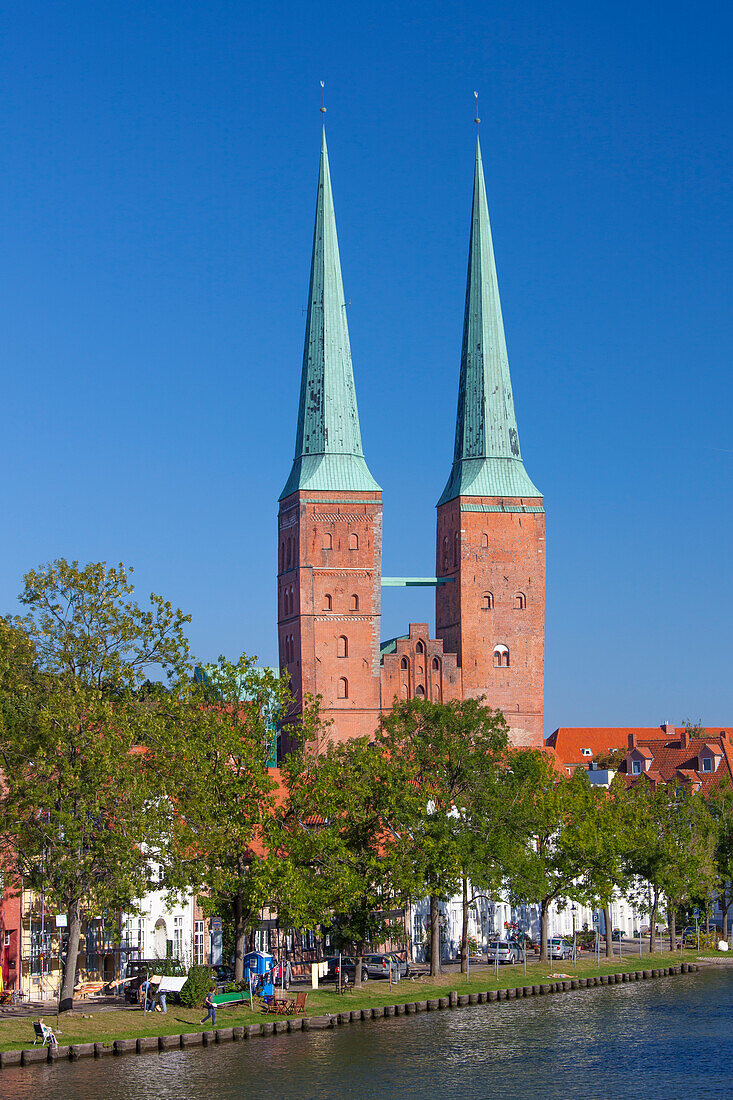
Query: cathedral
(490, 528)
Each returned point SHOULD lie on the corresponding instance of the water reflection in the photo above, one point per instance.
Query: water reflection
(669, 1038)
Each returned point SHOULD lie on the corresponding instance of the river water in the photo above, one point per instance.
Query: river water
(672, 1037)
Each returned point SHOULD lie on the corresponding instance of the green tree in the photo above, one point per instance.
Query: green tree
(212, 758)
(74, 811)
(673, 852)
(455, 799)
(559, 831)
(720, 806)
(346, 862)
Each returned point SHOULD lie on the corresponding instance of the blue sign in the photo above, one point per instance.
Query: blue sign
(595, 918)
(696, 912)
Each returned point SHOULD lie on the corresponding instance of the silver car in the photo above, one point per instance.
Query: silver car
(504, 951)
(558, 948)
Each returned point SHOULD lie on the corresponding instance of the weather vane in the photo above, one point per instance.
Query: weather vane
(477, 119)
(323, 101)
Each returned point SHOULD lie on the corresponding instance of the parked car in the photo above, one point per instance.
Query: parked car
(223, 973)
(347, 969)
(558, 948)
(379, 966)
(503, 951)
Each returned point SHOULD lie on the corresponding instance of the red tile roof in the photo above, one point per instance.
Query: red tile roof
(673, 753)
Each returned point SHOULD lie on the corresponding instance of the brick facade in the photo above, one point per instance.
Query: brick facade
(492, 615)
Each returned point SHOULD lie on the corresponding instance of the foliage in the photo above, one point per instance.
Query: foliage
(198, 984)
(336, 835)
(673, 850)
(75, 809)
(455, 802)
(212, 759)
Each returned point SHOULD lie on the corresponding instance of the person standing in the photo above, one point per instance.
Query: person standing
(210, 1007)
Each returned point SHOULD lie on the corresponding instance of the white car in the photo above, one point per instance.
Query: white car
(504, 951)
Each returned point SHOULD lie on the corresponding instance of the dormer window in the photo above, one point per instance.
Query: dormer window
(636, 767)
(587, 752)
(707, 763)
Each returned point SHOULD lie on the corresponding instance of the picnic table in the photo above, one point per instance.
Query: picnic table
(284, 1006)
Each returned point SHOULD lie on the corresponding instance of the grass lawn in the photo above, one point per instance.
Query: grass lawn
(107, 1025)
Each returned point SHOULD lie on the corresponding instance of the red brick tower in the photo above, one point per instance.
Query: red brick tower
(491, 522)
(330, 519)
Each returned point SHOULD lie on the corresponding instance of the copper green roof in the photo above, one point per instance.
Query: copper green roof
(328, 452)
(487, 461)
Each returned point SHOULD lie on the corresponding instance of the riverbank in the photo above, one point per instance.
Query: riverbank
(121, 1031)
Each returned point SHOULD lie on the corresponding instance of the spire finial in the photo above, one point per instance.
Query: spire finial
(323, 102)
(477, 119)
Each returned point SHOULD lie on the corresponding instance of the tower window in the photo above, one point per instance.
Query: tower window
(353, 542)
(455, 548)
(445, 552)
(520, 601)
(343, 646)
(354, 603)
(420, 690)
(419, 648)
(289, 559)
(328, 541)
(343, 688)
(404, 663)
(484, 541)
(487, 601)
(327, 603)
(501, 656)
(436, 664)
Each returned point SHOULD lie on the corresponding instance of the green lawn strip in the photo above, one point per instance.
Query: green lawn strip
(108, 1025)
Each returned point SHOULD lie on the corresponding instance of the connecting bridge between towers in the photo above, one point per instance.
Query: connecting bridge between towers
(415, 582)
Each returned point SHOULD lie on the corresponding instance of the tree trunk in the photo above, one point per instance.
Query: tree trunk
(726, 907)
(358, 960)
(609, 931)
(435, 969)
(653, 921)
(73, 919)
(464, 929)
(672, 928)
(544, 921)
(240, 938)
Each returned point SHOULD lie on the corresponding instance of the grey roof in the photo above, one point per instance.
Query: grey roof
(487, 460)
(328, 451)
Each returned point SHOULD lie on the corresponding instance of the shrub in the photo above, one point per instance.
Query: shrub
(197, 986)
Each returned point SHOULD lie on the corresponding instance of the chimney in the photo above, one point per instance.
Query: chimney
(667, 727)
(684, 738)
(632, 741)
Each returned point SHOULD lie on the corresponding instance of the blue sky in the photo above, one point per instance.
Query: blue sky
(159, 165)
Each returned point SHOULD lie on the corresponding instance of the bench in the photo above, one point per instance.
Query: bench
(223, 999)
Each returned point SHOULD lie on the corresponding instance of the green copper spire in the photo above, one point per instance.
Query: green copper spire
(487, 461)
(328, 453)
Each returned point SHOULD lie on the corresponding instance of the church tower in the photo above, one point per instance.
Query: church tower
(330, 517)
(491, 522)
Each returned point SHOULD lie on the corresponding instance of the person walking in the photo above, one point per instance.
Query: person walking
(210, 1007)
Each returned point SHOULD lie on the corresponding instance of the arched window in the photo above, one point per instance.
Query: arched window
(487, 601)
(343, 688)
(327, 603)
(282, 556)
(353, 542)
(354, 603)
(419, 648)
(404, 663)
(328, 541)
(484, 541)
(501, 656)
(343, 646)
(445, 552)
(436, 664)
(455, 548)
(292, 600)
(289, 558)
(420, 690)
(520, 601)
